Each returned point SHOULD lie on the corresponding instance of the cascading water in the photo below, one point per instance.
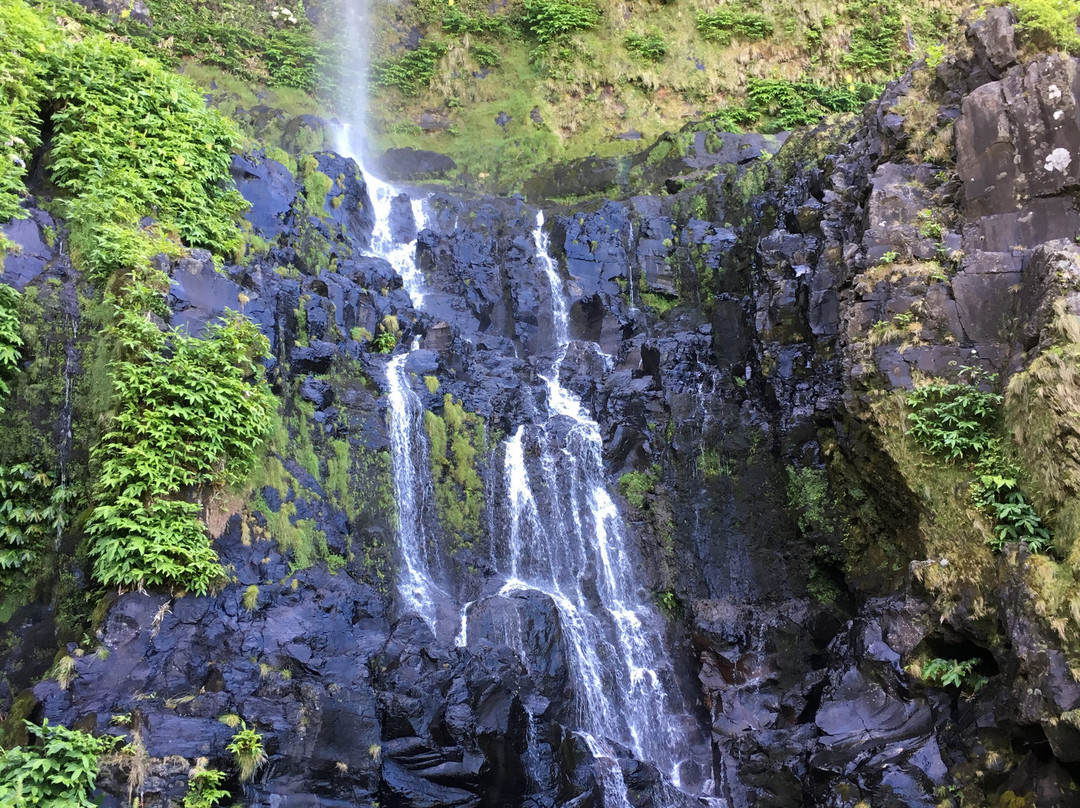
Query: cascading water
(409, 450)
(568, 545)
(566, 539)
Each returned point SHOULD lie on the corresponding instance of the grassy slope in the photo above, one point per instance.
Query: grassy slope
(597, 89)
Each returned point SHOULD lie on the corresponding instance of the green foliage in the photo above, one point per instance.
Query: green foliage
(953, 673)
(31, 510)
(247, 750)
(952, 421)
(669, 604)
(10, 338)
(23, 87)
(60, 773)
(807, 493)
(725, 24)
(484, 55)
(648, 46)
(204, 787)
(550, 21)
(411, 72)
(265, 42)
(956, 422)
(187, 413)
(384, 342)
(733, 117)
(130, 139)
(457, 440)
(635, 485)
(997, 491)
(782, 104)
(1049, 24)
(878, 36)
(456, 21)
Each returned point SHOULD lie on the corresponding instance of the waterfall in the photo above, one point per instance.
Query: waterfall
(409, 449)
(567, 540)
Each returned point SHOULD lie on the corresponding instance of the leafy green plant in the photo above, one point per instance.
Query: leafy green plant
(60, 773)
(552, 20)
(22, 91)
(956, 422)
(952, 420)
(807, 493)
(725, 24)
(997, 491)
(130, 139)
(484, 55)
(32, 508)
(384, 342)
(1049, 24)
(952, 673)
(889, 257)
(876, 38)
(411, 72)
(787, 104)
(456, 21)
(187, 413)
(648, 46)
(204, 786)
(247, 750)
(10, 339)
(635, 485)
(929, 224)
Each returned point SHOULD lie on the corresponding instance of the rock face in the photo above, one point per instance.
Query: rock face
(758, 323)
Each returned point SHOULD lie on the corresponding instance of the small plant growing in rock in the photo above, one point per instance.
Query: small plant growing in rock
(247, 750)
(204, 786)
(950, 673)
(251, 597)
(384, 342)
(889, 257)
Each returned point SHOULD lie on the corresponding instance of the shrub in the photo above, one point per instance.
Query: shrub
(647, 46)
(10, 339)
(26, 37)
(956, 422)
(410, 73)
(876, 40)
(790, 104)
(58, 774)
(187, 413)
(952, 673)
(1049, 24)
(484, 55)
(552, 20)
(635, 485)
(725, 24)
(247, 750)
(204, 789)
(130, 139)
(952, 420)
(31, 510)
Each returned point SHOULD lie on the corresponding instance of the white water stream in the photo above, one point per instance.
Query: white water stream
(566, 540)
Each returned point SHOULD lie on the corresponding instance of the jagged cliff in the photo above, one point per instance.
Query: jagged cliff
(746, 315)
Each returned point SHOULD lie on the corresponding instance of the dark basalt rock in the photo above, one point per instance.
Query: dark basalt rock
(414, 165)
